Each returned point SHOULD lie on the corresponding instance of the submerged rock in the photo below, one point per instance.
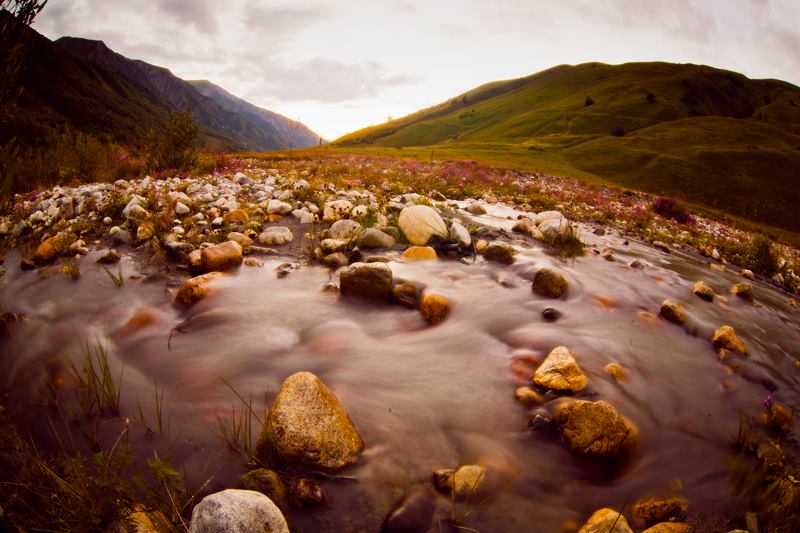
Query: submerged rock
(595, 429)
(725, 339)
(703, 290)
(528, 397)
(549, 283)
(237, 511)
(221, 256)
(673, 527)
(372, 281)
(413, 514)
(653, 510)
(434, 307)
(306, 492)
(194, 289)
(308, 426)
(743, 291)
(500, 252)
(616, 371)
(266, 482)
(672, 311)
(419, 223)
(466, 482)
(606, 521)
(560, 371)
(405, 292)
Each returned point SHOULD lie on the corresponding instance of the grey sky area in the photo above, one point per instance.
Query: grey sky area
(339, 66)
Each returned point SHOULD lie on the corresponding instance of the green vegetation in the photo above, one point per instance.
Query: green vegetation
(173, 147)
(705, 135)
(567, 245)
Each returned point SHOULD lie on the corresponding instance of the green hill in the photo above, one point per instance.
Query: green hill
(710, 136)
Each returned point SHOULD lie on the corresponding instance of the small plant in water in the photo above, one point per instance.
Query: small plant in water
(568, 244)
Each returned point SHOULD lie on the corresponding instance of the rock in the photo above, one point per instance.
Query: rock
(616, 371)
(26, 264)
(671, 527)
(481, 245)
(419, 223)
(182, 209)
(703, 290)
(475, 209)
(109, 258)
(523, 225)
(237, 216)
(241, 179)
(107, 221)
(336, 260)
(336, 210)
(725, 339)
(460, 235)
(194, 289)
(560, 371)
(550, 314)
(664, 247)
(237, 511)
(217, 222)
(344, 230)
(48, 250)
(748, 274)
(145, 231)
(744, 291)
(221, 256)
(553, 227)
(420, 253)
(372, 281)
(672, 311)
(596, 430)
(308, 426)
(466, 482)
(434, 307)
(414, 514)
(276, 235)
(241, 238)
(138, 213)
(778, 417)
(539, 421)
(375, 238)
(599, 232)
(715, 254)
(276, 207)
(528, 397)
(606, 521)
(195, 259)
(637, 264)
(607, 254)
(120, 236)
(306, 492)
(653, 510)
(330, 246)
(405, 292)
(500, 252)
(547, 215)
(549, 283)
(266, 482)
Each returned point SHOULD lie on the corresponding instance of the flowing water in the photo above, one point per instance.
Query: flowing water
(426, 397)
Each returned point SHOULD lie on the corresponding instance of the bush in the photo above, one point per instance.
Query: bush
(669, 207)
(761, 256)
(174, 146)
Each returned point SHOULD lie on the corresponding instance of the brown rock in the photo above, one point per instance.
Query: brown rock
(670, 527)
(266, 482)
(47, 250)
(703, 290)
(434, 307)
(606, 521)
(595, 429)
(528, 397)
(549, 283)
(500, 252)
(308, 426)
(372, 281)
(237, 216)
(405, 292)
(672, 311)
(654, 510)
(466, 482)
(725, 339)
(221, 256)
(194, 289)
(560, 371)
(744, 291)
(306, 492)
(616, 371)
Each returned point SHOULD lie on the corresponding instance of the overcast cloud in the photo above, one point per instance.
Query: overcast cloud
(341, 65)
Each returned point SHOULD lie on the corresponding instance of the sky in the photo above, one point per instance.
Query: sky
(338, 66)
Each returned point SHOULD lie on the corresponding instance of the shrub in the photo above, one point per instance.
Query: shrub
(174, 146)
(669, 207)
(761, 256)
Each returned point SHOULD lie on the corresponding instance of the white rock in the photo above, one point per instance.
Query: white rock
(344, 229)
(715, 254)
(554, 226)
(276, 207)
(276, 235)
(359, 211)
(460, 235)
(419, 223)
(137, 212)
(181, 208)
(36, 217)
(300, 185)
(217, 222)
(308, 218)
(335, 210)
(237, 511)
(547, 215)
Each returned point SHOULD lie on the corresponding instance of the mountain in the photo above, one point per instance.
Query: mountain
(95, 90)
(293, 132)
(711, 136)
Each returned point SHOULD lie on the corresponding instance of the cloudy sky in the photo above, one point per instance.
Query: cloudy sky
(341, 65)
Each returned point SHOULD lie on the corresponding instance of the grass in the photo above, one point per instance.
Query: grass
(567, 245)
(97, 392)
(116, 279)
(237, 433)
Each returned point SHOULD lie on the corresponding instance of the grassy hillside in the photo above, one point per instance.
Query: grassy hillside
(711, 136)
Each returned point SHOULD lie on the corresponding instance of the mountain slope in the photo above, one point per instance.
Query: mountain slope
(294, 134)
(711, 136)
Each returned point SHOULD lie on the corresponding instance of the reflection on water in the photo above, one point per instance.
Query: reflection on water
(427, 397)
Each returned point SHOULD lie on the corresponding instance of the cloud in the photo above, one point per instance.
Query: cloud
(327, 81)
(198, 13)
(280, 21)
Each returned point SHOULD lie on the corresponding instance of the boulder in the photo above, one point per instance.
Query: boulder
(434, 307)
(375, 238)
(548, 215)
(372, 281)
(606, 521)
(460, 235)
(48, 249)
(138, 213)
(725, 339)
(703, 290)
(596, 430)
(276, 235)
(330, 246)
(672, 311)
(743, 291)
(419, 223)
(465, 483)
(194, 289)
(500, 252)
(308, 426)
(560, 372)
(276, 207)
(344, 230)
(221, 256)
(336, 210)
(651, 511)
(420, 253)
(549, 283)
(267, 483)
(237, 511)
(554, 227)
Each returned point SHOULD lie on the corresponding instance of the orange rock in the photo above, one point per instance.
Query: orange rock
(434, 307)
(604, 301)
(274, 217)
(194, 289)
(140, 320)
(47, 250)
(420, 253)
(238, 216)
(221, 256)
(616, 371)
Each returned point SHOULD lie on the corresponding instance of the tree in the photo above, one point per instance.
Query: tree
(174, 146)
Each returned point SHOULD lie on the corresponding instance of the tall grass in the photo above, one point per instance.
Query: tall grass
(97, 392)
